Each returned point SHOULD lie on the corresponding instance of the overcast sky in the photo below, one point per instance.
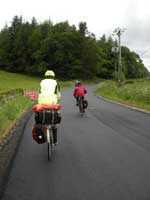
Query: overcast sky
(102, 16)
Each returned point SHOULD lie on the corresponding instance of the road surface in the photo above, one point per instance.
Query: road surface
(104, 155)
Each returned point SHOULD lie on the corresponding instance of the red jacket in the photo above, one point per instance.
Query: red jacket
(79, 91)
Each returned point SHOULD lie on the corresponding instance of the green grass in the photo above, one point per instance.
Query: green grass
(10, 81)
(12, 101)
(64, 84)
(11, 111)
(135, 93)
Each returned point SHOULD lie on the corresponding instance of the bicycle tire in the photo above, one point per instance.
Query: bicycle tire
(49, 147)
(49, 151)
(81, 109)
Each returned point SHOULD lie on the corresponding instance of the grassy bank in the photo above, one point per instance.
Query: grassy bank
(135, 93)
(11, 111)
(12, 101)
(10, 81)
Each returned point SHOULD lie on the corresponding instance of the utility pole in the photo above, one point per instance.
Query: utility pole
(118, 31)
(115, 50)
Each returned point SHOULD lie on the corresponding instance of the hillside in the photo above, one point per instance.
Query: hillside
(10, 81)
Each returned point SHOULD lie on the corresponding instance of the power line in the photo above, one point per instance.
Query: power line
(145, 51)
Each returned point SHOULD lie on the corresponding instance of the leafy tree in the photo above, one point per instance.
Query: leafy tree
(71, 52)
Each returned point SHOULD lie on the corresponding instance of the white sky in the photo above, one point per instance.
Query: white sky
(102, 16)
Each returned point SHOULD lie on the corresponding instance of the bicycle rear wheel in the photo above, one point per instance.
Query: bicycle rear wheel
(81, 109)
(49, 151)
(49, 144)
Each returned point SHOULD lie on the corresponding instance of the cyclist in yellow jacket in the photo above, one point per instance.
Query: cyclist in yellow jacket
(49, 94)
(49, 89)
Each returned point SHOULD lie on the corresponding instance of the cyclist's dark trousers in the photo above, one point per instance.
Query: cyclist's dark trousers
(54, 129)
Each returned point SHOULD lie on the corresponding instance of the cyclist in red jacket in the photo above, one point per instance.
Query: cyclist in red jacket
(79, 91)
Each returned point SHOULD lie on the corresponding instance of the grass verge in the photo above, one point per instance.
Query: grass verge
(11, 111)
(135, 93)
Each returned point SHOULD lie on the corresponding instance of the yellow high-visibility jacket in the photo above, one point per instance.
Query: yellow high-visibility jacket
(49, 92)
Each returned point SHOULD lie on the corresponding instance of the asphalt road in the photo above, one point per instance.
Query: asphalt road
(104, 155)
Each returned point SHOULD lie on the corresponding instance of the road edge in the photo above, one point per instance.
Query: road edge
(124, 105)
(9, 147)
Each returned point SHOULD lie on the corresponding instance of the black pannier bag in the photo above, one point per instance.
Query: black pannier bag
(85, 103)
(38, 133)
(48, 117)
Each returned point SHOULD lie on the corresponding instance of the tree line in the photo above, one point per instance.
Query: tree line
(72, 52)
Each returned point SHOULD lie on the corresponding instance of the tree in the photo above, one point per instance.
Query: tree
(83, 29)
(33, 48)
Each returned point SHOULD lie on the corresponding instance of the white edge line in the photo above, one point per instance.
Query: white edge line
(127, 106)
